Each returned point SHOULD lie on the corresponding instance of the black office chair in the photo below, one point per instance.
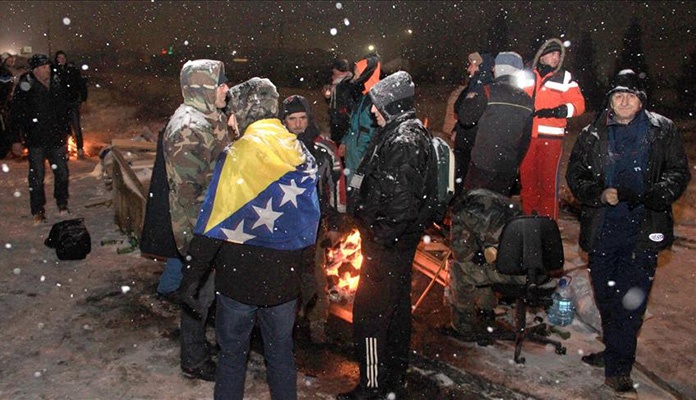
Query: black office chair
(530, 246)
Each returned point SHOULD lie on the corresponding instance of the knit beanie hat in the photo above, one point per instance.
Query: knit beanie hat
(550, 48)
(628, 81)
(341, 64)
(38, 60)
(291, 105)
(508, 63)
(4, 57)
(253, 100)
(393, 95)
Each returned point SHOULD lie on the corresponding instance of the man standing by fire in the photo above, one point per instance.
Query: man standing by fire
(627, 168)
(387, 199)
(39, 112)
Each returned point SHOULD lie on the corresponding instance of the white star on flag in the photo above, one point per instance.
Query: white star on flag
(266, 216)
(290, 193)
(237, 235)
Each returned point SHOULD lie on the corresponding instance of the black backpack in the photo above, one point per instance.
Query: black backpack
(70, 239)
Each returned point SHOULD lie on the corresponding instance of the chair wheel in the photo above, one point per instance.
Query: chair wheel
(561, 350)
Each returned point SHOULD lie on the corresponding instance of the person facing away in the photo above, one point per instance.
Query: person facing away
(194, 137)
(556, 97)
(503, 117)
(298, 118)
(366, 74)
(389, 201)
(480, 70)
(39, 113)
(76, 88)
(626, 168)
(341, 99)
(260, 211)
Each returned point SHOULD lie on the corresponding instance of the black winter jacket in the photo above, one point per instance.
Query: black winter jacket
(73, 82)
(391, 199)
(504, 125)
(40, 114)
(667, 176)
(253, 275)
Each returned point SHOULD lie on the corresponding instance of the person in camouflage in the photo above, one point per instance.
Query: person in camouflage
(478, 218)
(195, 135)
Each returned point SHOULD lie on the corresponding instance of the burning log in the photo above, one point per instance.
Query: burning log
(342, 265)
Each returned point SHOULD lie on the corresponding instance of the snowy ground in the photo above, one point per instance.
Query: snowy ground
(93, 329)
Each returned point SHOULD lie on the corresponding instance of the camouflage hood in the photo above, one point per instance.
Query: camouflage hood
(478, 218)
(199, 81)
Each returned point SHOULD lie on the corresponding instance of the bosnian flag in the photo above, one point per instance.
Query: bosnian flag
(263, 191)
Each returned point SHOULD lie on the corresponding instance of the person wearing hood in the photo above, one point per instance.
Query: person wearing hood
(480, 72)
(389, 202)
(627, 168)
(260, 211)
(504, 119)
(190, 144)
(556, 97)
(298, 118)
(39, 113)
(366, 74)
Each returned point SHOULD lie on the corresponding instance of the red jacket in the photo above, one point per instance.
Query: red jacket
(554, 89)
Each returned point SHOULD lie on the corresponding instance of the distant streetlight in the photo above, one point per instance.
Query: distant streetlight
(371, 47)
(409, 31)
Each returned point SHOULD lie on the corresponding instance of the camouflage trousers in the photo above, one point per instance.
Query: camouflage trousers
(470, 293)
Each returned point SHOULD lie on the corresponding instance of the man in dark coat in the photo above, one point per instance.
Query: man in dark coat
(504, 117)
(388, 198)
(39, 112)
(298, 118)
(626, 168)
(76, 91)
(480, 71)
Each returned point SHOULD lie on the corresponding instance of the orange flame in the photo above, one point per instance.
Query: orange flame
(343, 263)
(72, 147)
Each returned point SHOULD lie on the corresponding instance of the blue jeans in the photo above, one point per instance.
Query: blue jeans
(234, 324)
(171, 276)
(58, 160)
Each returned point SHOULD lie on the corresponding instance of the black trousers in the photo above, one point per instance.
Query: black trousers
(621, 281)
(58, 160)
(382, 313)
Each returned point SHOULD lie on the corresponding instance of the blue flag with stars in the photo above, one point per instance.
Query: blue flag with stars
(263, 191)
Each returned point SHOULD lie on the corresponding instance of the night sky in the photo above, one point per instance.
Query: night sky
(450, 30)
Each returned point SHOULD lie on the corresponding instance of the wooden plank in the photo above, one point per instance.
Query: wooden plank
(127, 144)
(129, 196)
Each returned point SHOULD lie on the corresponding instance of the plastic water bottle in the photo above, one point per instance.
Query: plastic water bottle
(562, 310)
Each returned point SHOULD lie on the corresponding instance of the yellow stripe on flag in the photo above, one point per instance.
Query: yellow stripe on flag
(265, 153)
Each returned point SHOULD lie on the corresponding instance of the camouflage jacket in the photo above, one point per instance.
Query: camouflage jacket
(478, 218)
(195, 135)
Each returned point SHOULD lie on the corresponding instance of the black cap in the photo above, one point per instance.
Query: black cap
(629, 82)
(38, 60)
(341, 64)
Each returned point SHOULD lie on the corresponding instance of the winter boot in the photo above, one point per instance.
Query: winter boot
(622, 386)
(594, 359)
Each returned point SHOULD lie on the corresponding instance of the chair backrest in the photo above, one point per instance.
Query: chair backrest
(530, 243)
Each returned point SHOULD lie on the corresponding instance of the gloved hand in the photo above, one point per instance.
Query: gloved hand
(654, 201)
(557, 112)
(632, 198)
(188, 292)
